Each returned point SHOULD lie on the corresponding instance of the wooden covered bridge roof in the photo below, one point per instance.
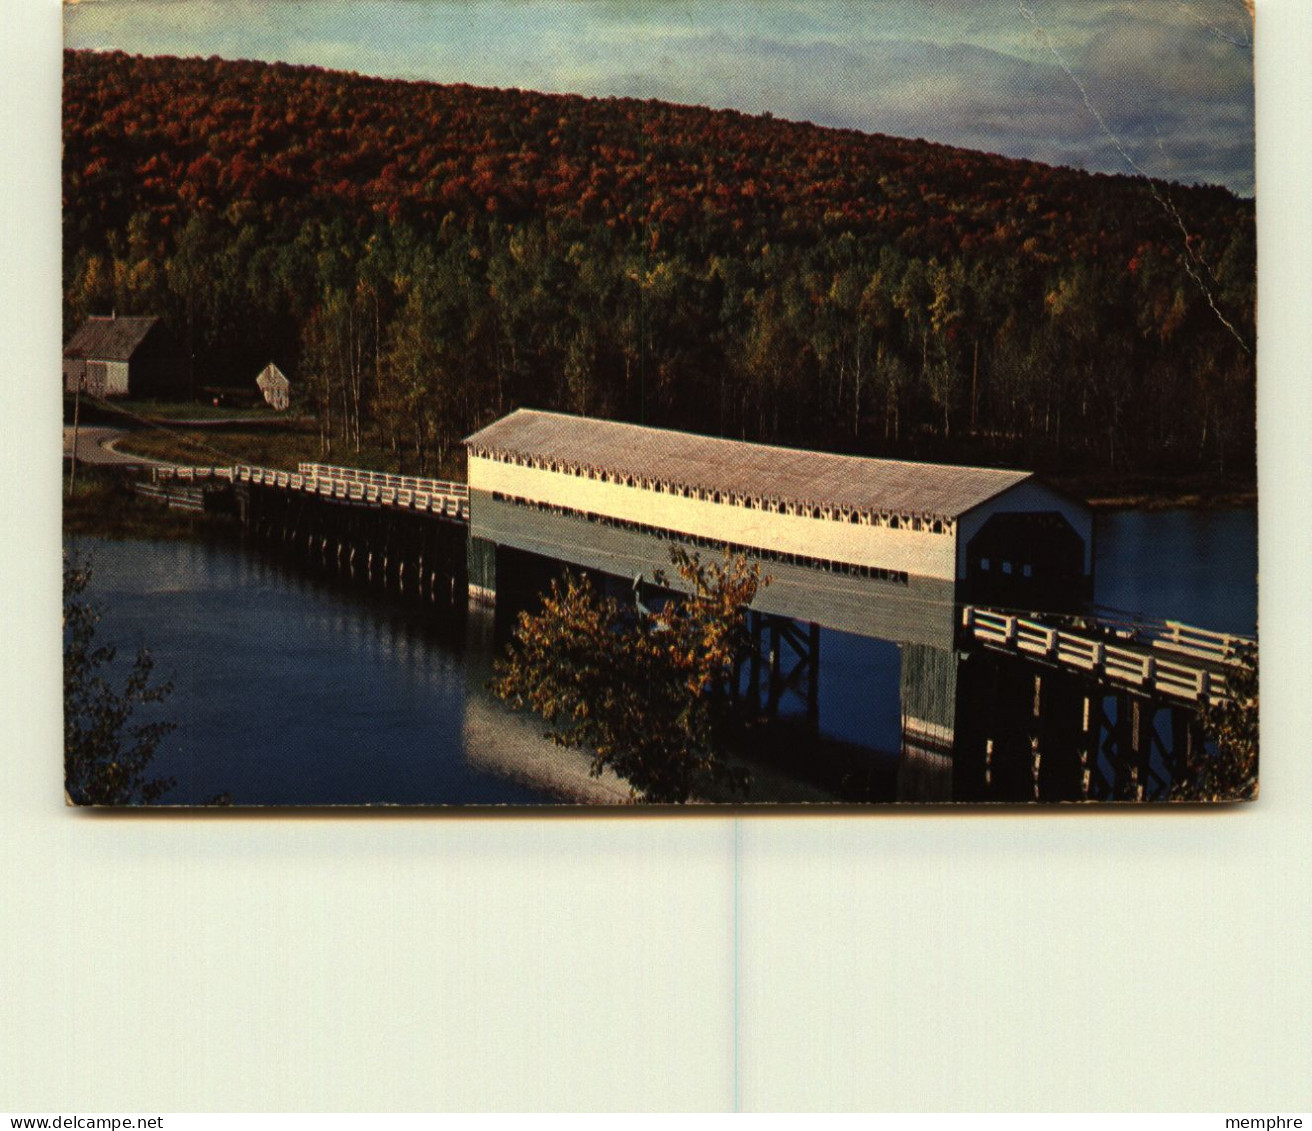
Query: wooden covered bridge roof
(787, 475)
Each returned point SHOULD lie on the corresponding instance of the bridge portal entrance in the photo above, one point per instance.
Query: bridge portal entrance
(1027, 561)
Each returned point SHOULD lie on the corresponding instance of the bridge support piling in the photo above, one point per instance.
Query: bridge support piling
(1186, 737)
(929, 692)
(1036, 724)
(1019, 732)
(481, 569)
(813, 684)
(783, 658)
(420, 555)
(1090, 720)
(776, 660)
(1141, 732)
(754, 663)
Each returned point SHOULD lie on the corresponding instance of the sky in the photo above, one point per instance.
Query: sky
(1163, 87)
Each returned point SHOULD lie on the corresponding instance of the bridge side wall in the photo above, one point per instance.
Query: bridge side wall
(914, 552)
(918, 610)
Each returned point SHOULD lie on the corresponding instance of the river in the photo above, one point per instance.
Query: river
(290, 690)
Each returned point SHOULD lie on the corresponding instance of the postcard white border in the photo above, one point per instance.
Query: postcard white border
(932, 962)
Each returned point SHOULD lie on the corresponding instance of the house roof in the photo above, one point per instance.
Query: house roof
(109, 339)
(754, 470)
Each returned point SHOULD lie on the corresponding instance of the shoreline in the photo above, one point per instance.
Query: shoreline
(1193, 491)
(1195, 500)
(104, 506)
(285, 441)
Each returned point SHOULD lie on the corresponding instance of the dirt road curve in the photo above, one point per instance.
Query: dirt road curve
(95, 444)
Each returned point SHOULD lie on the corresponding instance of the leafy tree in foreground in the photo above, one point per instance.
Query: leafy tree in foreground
(642, 691)
(1231, 773)
(106, 757)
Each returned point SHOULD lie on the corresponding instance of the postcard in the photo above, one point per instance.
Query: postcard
(494, 403)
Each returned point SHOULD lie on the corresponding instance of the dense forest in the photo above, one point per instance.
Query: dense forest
(421, 258)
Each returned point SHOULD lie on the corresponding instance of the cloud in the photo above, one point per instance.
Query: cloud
(1171, 79)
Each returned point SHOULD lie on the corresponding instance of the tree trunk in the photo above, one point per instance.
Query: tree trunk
(974, 389)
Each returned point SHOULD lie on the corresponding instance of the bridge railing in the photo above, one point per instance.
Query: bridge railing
(382, 479)
(435, 496)
(1195, 676)
(1220, 647)
(439, 496)
(181, 473)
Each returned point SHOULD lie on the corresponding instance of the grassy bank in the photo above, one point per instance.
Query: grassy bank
(103, 506)
(1146, 492)
(281, 447)
(199, 410)
(131, 413)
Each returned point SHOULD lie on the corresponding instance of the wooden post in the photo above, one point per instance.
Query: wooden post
(1088, 747)
(1036, 722)
(813, 683)
(775, 658)
(1184, 729)
(1141, 749)
(77, 404)
(754, 663)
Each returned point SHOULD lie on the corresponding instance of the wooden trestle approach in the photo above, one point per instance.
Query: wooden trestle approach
(1126, 699)
(997, 702)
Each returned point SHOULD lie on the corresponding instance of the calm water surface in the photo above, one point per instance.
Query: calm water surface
(1198, 566)
(289, 690)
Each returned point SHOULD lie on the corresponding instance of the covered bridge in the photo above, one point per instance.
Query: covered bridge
(883, 548)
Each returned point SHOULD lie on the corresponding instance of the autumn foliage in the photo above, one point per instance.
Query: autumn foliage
(642, 692)
(420, 258)
(1228, 772)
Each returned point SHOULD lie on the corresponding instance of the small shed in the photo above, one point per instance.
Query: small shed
(119, 356)
(276, 388)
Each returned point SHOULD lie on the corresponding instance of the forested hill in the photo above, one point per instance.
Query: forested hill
(420, 258)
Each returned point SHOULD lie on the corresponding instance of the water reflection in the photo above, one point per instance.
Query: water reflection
(291, 689)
